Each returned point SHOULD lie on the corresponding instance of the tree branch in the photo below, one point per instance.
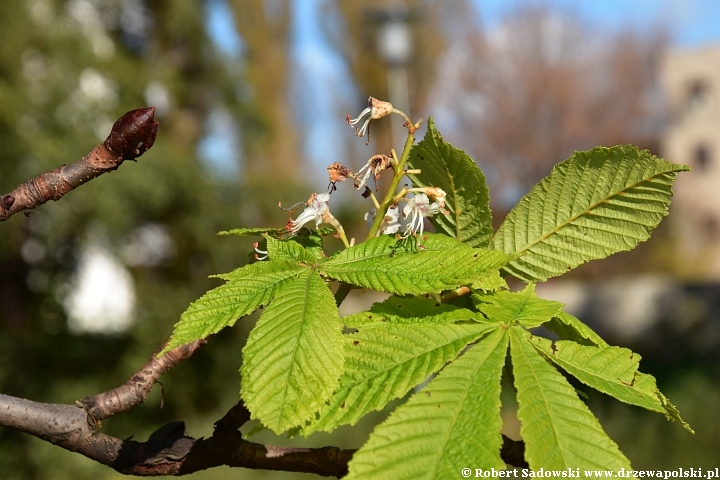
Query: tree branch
(132, 135)
(138, 387)
(168, 451)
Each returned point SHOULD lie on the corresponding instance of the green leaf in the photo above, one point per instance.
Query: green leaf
(558, 428)
(611, 370)
(247, 289)
(408, 310)
(568, 327)
(491, 283)
(254, 232)
(294, 356)
(522, 308)
(453, 422)
(384, 363)
(468, 198)
(385, 265)
(289, 251)
(594, 204)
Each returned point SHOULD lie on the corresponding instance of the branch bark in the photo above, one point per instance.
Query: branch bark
(132, 135)
(169, 451)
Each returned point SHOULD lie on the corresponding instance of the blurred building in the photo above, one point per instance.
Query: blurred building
(692, 80)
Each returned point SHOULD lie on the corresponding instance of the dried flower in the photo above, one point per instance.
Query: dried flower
(374, 166)
(375, 110)
(337, 173)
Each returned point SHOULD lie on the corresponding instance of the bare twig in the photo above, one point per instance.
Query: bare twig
(138, 387)
(131, 136)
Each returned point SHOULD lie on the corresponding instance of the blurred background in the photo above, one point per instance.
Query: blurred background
(251, 96)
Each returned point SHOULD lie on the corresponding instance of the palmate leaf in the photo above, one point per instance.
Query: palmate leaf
(408, 310)
(596, 203)
(384, 363)
(558, 428)
(468, 198)
(294, 356)
(454, 421)
(386, 265)
(247, 289)
(522, 308)
(611, 370)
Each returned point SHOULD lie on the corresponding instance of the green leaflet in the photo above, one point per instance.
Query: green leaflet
(522, 308)
(247, 289)
(384, 363)
(596, 203)
(468, 197)
(294, 356)
(289, 251)
(408, 310)
(386, 265)
(611, 370)
(568, 327)
(558, 428)
(490, 283)
(453, 422)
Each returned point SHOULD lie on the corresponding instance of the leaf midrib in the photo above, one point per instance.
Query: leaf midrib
(295, 349)
(462, 400)
(540, 384)
(571, 219)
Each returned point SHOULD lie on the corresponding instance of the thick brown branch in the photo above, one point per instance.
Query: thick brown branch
(131, 136)
(169, 451)
(138, 387)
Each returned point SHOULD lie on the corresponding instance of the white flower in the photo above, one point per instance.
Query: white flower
(263, 254)
(391, 221)
(417, 209)
(317, 207)
(375, 110)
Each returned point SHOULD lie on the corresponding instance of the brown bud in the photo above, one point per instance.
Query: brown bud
(133, 134)
(7, 201)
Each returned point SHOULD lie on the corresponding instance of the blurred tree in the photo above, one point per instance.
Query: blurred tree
(527, 94)
(352, 28)
(266, 28)
(68, 69)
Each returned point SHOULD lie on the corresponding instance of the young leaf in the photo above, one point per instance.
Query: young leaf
(468, 199)
(558, 428)
(294, 356)
(596, 203)
(385, 265)
(289, 251)
(247, 289)
(384, 363)
(408, 310)
(519, 308)
(568, 327)
(453, 421)
(611, 370)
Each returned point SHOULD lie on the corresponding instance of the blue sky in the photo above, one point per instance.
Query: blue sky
(689, 23)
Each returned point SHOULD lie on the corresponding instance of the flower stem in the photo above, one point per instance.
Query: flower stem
(388, 200)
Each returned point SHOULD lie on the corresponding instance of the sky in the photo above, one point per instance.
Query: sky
(690, 24)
